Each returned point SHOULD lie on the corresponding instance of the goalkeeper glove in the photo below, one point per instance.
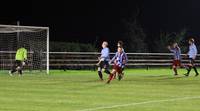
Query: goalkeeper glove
(25, 62)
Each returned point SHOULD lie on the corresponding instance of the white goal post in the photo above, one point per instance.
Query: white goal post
(34, 39)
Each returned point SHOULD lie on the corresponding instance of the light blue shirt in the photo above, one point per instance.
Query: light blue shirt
(192, 51)
(105, 54)
(176, 52)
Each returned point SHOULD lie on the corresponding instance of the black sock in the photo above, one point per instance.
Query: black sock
(189, 69)
(13, 70)
(107, 71)
(20, 72)
(195, 69)
(175, 71)
(100, 74)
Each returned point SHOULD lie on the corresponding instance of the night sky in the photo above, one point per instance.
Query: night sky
(88, 20)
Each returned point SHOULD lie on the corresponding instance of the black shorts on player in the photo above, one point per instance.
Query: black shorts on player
(103, 65)
(17, 64)
(190, 66)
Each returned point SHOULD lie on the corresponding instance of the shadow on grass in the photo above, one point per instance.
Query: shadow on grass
(174, 77)
(91, 87)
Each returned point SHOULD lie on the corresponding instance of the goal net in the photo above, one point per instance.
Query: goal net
(34, 39)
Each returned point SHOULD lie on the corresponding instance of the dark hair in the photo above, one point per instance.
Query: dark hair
(121, 43)
(120, 47)
(191, 40)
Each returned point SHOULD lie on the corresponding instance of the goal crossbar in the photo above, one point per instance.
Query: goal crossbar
(16, 31)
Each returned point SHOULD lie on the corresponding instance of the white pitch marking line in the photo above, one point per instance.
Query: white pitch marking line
(140, 103)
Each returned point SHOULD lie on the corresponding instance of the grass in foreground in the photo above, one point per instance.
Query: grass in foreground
(140, 90)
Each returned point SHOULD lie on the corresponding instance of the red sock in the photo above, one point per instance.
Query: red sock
(114, 76)
(111, 77)
(175, 70)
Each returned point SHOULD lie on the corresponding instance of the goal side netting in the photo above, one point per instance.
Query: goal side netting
(34, 39)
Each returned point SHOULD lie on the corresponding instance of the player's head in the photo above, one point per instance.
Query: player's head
(105, 44)
(119, 49)
(120, 44)
(191, 41)
(175, 45)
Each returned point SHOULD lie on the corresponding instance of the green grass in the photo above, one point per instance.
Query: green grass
(79, 90)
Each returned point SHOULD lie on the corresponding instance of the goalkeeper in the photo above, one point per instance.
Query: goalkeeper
(20, 61)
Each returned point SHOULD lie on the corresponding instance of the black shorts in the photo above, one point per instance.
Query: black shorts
(191, 61)
(104, 64)
(18, 63)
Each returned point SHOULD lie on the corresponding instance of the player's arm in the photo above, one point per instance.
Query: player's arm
(99, 58)
(111, 61)
(195, 52)
(25, 54)
(126, 57)
(170, 49)
(25, 62)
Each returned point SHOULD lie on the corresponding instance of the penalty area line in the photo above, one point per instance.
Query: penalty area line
(139, 103)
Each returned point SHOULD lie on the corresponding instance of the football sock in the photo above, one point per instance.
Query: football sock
(195, 70)
(100, 75)
(20, 72)
(107, 71)
(111, 77)
(175, 70)
(13, 70)
(189, 69)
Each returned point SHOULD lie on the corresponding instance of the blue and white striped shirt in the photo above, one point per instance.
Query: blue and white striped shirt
(192, 51)
(105, 54)
(119, 59)
(126, 57)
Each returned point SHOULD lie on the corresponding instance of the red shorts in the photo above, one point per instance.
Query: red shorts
(118, 69)
(176, 63)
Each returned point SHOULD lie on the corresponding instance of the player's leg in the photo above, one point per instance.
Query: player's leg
(106, 67)
(111, 76)
(123, 66)
(100, 71)
(194, 67)
(13, 70)
(113, 73)
(174, 67)
(189, 67)
(120, 74)
(175, 70)
(114, 76)
(19, 67)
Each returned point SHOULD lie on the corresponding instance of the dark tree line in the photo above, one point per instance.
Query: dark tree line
(135, 40)
(71, 47)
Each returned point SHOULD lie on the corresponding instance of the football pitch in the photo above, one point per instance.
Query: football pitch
(140, 90)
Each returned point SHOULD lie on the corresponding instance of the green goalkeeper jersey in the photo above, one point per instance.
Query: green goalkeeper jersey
(21, 54)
